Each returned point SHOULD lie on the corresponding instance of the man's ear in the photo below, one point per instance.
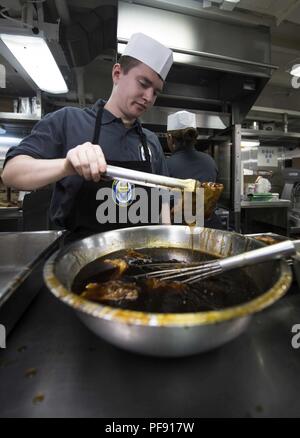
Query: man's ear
(116, 73)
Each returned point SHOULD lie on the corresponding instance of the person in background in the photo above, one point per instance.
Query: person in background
(186, 162)
(71, 147)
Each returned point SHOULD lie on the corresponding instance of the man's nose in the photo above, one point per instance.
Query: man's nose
(149, 95)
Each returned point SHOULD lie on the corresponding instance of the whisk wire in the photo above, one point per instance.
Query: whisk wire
(203, 275)
(203, 270)
(198, 271)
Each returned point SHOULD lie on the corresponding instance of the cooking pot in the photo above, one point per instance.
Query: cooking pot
(161, 334)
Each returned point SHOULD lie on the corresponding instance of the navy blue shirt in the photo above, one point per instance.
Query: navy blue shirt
(189, 163)
(58, 132)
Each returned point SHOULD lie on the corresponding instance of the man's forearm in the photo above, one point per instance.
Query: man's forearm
(27, 173)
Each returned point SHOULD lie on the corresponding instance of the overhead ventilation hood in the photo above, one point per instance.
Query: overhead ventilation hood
(219, 67)
(89, 33)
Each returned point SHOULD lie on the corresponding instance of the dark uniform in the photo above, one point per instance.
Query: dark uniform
(189, 163)
(74, 202)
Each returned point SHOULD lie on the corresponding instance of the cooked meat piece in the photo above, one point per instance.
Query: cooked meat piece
(267, 239)
(212, 192)
(114, 290)
(98, 271)
(120, 264)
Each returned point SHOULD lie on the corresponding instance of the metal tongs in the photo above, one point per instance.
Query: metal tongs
(150, 179)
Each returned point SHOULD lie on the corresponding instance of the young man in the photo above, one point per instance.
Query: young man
(71, 147)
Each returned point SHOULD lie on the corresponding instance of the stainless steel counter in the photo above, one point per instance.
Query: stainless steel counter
(22, 255)
(10, 212)
(54, 366)
(11, 219)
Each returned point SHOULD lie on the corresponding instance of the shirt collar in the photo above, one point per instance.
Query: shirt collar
(187, 151)
(108, 117)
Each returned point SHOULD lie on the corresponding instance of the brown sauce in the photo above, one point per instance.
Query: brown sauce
(152, 295)
(212, 192)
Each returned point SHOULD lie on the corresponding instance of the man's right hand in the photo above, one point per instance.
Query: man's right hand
(87, 160)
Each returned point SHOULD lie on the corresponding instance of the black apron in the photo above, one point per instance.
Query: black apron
(81, 219)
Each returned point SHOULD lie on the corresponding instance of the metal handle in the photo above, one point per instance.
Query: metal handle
(259, 255)
(150, 179)
(214, 56)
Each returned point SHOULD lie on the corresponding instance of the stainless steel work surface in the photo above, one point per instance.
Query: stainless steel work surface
(18, 254)
(22, 256)
(22, 248)
(7, 276)
(53, 366)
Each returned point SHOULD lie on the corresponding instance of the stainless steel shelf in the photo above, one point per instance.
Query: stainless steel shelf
(19, 116)
(10, 212)
(284, 203)
(272, 135)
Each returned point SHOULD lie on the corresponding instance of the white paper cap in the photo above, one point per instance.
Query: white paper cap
(150, 52)
(181, 120)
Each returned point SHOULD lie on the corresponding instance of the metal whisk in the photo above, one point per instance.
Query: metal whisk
(200, 271)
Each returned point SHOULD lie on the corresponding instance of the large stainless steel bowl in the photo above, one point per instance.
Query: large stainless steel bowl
(164, 334)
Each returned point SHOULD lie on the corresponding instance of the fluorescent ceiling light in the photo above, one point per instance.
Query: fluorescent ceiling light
(250, 143)
(36, 58)
(2, 76)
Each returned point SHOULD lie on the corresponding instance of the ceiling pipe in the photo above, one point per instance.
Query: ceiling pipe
(63, 12)
(285, 122)
(215, 56)
(79, 71)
